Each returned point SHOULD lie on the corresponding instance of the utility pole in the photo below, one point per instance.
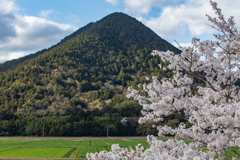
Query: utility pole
(107, 129)
(43, 128)
(109, 121)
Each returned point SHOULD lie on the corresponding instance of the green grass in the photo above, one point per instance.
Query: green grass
(39, 143)
(230, 153)
(86, 150)
(6, 149)
(103, 149)
(75, 152)
(129, 142)
(101, 143)
(46, 152)
(85, 143)
(92, 146)
(93, 143)
(60, 148)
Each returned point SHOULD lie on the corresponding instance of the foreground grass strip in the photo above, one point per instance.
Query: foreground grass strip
(75, 152)
(47, 152)
(6, 149)
(60, 148)
(86, 150)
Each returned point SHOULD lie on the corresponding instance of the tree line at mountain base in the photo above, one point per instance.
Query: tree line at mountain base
(83, 123)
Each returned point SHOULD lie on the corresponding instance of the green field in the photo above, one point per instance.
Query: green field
(64, 148)
(67, 148)
(42, 152)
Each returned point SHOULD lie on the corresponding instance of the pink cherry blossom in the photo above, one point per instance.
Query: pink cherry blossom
(213, 109)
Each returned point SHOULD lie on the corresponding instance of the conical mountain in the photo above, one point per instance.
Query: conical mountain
(89, 68)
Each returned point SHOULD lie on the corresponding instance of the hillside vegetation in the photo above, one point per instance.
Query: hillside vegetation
(87, 71)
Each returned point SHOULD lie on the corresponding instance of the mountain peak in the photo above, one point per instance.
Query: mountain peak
(84, 70)
(118, 26)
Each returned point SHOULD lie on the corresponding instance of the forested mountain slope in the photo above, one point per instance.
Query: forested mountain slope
(90, 68)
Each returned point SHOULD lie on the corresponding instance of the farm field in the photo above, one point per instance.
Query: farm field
(63, 148)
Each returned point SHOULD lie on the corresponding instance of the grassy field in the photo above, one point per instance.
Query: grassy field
(61, 147)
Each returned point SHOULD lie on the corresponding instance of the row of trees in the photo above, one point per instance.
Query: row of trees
(82, 123)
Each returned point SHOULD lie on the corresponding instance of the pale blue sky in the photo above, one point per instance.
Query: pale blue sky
(27, 26)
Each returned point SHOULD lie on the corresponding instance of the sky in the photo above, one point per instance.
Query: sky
(28, 26)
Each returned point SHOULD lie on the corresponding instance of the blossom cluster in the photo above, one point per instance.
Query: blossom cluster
(213, 109)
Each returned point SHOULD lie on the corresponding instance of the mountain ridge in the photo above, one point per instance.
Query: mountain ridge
(13, 63)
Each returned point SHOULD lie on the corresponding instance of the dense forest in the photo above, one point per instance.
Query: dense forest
(85, 123)
(78, 86)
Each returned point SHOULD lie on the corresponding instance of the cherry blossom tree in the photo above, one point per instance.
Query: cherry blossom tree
(213, 109)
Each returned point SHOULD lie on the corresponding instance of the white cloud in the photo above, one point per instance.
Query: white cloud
(144, 6)
(181, 44)
(12, 55)
(22, 34)
(113, 2)
(8, 6)
(45, 13)
(178, 19)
